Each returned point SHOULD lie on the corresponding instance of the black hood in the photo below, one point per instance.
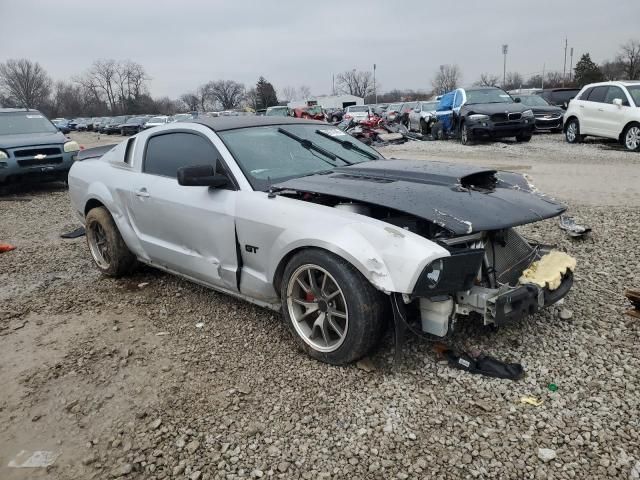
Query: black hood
(491, 108)
(550, 109)
(31, 139)
(461, 198)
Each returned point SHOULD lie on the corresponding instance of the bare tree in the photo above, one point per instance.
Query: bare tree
(487, 80)
(227, 93)
(25, 82)
(629, 57)
(553, 80)
(289, 93)
(251, 98)
(446, 79)
(304, 92)
(190, 100)
(513, 80)
(613, 70)
(353, 82)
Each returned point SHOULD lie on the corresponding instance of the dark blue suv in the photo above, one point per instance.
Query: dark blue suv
(31, 147)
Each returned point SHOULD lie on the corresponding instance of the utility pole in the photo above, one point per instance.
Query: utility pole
(543, 67)
(571, 66)
(375, 92)
(333, 83)
(505, 48)
(564, 69)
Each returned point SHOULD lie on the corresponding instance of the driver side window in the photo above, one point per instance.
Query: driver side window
(458, 100)
(166, 153)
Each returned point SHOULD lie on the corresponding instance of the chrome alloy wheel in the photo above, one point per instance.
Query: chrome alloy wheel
(98, 244)
(632, 138)
(572, 132)
(317, 307)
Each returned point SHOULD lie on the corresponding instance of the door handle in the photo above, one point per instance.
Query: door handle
(142, 192)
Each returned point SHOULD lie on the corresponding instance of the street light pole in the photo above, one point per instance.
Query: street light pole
(564, 69)
(571, 65)
(375, 92)
(505, 48)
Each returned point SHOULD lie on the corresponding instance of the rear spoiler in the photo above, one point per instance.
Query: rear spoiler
(95, 152)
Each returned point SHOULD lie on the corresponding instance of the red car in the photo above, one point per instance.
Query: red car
(312, 113)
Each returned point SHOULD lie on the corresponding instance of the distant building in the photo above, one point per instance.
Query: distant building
(329, 101)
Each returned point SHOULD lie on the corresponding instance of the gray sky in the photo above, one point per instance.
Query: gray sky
(185, 43)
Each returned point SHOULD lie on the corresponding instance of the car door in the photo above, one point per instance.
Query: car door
(611, 115)
(591, 122)
(444, 111)
(187, 229)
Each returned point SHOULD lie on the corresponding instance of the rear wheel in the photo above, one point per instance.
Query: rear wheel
(631, 137)
(110, 254)
(572, 131)
(334, 313)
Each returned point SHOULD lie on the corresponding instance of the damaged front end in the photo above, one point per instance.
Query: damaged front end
(496, 276)
(492, 272)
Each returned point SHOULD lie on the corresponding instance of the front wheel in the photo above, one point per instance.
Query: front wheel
(110, 254)
(572, 131)
(334, 313)
(631, 137)
(525, 137)
(466, 137)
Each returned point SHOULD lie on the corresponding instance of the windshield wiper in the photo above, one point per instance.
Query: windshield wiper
(309, 145)
(346, 144)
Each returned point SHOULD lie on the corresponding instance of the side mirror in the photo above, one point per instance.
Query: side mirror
(617, 102)
(201, 176)
(517, 100)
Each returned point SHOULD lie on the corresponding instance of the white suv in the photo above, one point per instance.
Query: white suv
(608, 109)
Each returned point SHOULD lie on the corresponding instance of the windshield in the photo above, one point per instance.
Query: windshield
(359, 109)
(157, 120)
(137, 120)
(278, 111)
(25, 122)
(488, 95)
(315, 110)
(268, 156)
(119, 119)
(429, 107)
(634, 91)
(394, 107)
(534, 101)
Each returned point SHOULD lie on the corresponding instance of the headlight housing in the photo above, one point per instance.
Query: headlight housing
(433, 272)
(3, 155)
(527, 114)
(71, 146)
(478, 117)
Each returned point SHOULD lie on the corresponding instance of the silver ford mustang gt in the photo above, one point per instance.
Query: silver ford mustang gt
(297, 215)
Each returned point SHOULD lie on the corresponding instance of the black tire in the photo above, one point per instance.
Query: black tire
(466, 137)
(424, 127)
(117, 260)
(570, 135)
(437, 132)
(364, 307)
(628, 143)
(525, 137)
(335, 119)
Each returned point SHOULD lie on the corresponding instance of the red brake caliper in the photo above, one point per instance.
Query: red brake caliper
(310, 297)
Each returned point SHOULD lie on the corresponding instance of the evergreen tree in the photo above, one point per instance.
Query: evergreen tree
(266, 94)
(587, 71)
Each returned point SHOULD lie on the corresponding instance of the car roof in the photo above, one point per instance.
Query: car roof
(626, 83)
(13, 110)
(221, 124)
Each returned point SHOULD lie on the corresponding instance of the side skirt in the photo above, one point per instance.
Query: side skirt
(273, 306)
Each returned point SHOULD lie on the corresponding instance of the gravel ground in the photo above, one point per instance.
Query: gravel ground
(153, 377)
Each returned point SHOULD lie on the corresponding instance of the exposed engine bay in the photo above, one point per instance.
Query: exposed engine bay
(508, 277)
